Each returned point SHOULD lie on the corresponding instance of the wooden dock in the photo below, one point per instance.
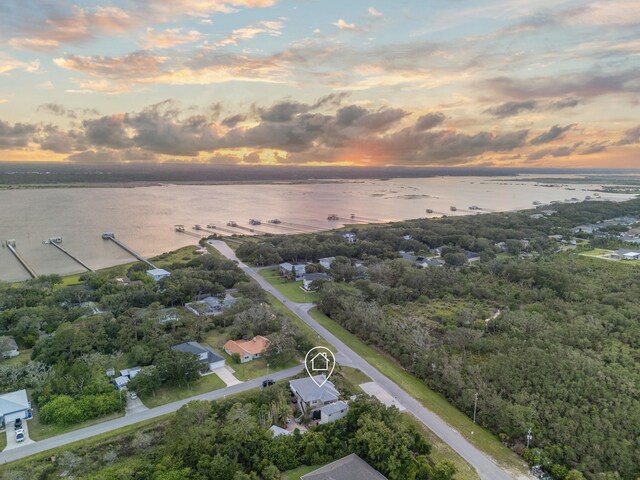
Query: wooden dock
(127, 249)
(21, 259)
(67, 253)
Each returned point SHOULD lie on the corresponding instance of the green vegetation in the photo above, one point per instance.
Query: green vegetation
(40, 431)
(228, 440)
(173, 393)
(292, 290)
(596, 252)
(434, 401)
(296, 473)
(3, 440)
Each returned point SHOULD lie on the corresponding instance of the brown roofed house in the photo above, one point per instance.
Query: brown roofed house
(247, 350)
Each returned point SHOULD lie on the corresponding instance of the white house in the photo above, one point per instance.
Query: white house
(277, 431)
(14, 405)
(206, 355)
(310, 396)
(333, 411)
(309, 278)
(158, 274)
(350, 237)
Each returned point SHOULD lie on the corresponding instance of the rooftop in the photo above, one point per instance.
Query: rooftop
(197, 349)
(309, 391)
(255, 346)
(14, 402)
(351, 467)
(334, 407)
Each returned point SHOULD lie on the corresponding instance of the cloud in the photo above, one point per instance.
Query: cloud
(34, 44)
(17, 135)
(429, 121)
(374, 13)
(3, 100)
(271, 28)
(509, 109)
(233, 120)
(8, 64)
(563, 151)
(168, 38)
(552, 134)
(595, 148)
(343, 25)
(57, 109)
(631, 136)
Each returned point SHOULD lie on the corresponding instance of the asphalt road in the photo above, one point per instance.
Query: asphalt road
(88, 432)
(485, 466)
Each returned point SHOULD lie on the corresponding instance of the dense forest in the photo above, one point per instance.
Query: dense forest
(229, 440)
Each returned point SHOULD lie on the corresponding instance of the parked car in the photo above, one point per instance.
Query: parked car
(267, 383)
(133, 395)
(19, 435)
(18, 423)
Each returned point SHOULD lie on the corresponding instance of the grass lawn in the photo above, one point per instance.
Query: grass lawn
(596, 252)
(38, 431)
(296, 473)
(309, 332)
(22, 358)
(174, 393)
(72, 280)
(352, 375)
(289, 289)
(184, 254)
(481, 438)
(3, 440)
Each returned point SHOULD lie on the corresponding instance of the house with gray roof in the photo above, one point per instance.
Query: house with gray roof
(14, 405)
(420, 261)
(308, 280)
(158, 274)
(351, 467)
(8, 347)
(326, 262)
(209, 358)
(291, 270)
(310, 396)
(333, 411)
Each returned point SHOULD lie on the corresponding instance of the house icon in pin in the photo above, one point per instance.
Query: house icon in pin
(320, 363)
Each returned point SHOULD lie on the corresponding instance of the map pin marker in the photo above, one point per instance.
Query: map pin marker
(320, 363)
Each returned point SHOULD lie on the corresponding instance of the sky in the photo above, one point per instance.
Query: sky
(494, 83)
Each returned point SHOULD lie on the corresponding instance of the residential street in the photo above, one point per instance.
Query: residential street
(485, 466)
(24, 450)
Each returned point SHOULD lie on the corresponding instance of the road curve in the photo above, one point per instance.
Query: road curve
(88, 432)
(485, 466)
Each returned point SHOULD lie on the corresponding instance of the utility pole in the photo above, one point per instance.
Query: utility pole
(475, 408)
(529, 437)
(267, 373)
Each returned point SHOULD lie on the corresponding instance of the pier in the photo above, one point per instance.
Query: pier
(68, 254)
(233, 224)
(180, 229)
(111, 236)
(11, 245)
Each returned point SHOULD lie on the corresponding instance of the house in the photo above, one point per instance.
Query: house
(548, 213)
(8, 347)
(362, 271)
(228, 301)
(310, 396)
(536, 216)
(158, 274)
(407, 237)
(421, 262)
(333, 411)
(247, 350)
(295, 271)
(626, 254)
(277, 431)
(501, 247)
(207, 306)
(120, 383)
(471, 256)
(308, 279)
(326, 262)
(14, 405)
(350, 237)
(92, 309)
(351, 467)
(209, 359)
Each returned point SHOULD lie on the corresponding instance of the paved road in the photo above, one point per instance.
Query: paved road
(485, 466)
(88, 432)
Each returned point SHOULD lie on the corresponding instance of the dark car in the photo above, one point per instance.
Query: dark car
(267, 383)
(18, 423)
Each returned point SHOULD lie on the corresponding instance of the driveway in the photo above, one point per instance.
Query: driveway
(11, 436)
(226, 375)
(134, 406)
(375, 390)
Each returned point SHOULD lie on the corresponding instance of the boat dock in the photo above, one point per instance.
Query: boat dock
(11, 245)
(111, 236)
(68, 254)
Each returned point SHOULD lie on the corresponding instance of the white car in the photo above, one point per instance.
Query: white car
(133, 395)
(19, 435)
